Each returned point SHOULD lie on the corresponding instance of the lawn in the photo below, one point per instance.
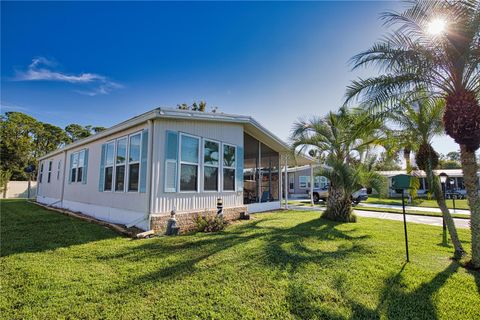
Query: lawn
(459, 204)
(412, 212)
(283, 265)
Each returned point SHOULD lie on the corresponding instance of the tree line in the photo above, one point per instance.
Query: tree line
(23, 139)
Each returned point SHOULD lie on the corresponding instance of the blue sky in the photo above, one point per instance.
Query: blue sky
(101, 63)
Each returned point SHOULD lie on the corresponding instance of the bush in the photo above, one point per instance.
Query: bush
(210, 224)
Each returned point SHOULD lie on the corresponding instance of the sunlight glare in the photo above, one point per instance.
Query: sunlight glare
(436, 26)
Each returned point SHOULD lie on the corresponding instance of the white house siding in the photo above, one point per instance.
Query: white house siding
(163, 202)
(50, 192)
(117, 207)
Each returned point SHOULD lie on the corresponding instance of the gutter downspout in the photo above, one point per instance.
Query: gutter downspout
(150, 173)
(63, 177)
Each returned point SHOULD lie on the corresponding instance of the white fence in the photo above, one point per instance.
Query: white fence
(19, 189)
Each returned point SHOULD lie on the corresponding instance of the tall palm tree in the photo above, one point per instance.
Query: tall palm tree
(338, 139)
(422, 121)
(434, 45)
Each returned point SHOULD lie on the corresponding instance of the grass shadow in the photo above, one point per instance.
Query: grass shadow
(26, 227)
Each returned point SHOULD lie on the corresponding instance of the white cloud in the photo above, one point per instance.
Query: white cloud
(42, 69)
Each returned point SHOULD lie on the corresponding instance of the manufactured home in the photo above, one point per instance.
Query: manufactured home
(299, 180)
(135, 173)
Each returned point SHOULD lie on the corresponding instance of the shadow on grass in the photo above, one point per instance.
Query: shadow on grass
(396, 300)
(26, 227)
(281, 247)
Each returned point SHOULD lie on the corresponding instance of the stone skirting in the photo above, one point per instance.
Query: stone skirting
(185, 220)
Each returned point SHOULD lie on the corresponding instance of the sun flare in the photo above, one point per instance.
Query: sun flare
(437, 26)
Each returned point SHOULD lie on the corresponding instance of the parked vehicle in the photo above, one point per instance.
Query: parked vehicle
(322, 194)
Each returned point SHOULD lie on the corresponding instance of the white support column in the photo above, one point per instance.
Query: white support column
(286, 182)
(311, 184)
(280, 179)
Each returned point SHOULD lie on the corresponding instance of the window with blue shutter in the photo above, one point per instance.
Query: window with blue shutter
(102, 168)
(143, 161)
(85, 166)
(171, 161)
(239, 173)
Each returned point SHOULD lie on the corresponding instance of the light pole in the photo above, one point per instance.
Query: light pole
(443, 180)
(454, 195)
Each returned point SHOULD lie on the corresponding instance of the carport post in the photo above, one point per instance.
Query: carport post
(285, 182)
(311, 184)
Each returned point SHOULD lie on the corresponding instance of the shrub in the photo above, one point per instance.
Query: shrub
(205, 223)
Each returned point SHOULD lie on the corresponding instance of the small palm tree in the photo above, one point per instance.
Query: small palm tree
(422, 121)
(434, 45)
(338, 139)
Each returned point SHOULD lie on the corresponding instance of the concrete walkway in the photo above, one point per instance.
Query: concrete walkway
(423, 209)
(433, 221)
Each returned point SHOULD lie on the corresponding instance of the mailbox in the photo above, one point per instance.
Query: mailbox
(401, 181)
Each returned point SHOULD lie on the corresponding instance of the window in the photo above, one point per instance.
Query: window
(304, 182)
(73, 174)
(40, 178)
(210, 165)
(229, 167)
(109, 162)
(189, 156)
(291, 182)
(120, 164)
(316, 182)
(49, 176)
(59, 165)
(134, 162)
(77, 166)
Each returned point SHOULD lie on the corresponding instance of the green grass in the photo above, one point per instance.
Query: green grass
(280, 265)
(412, 212)
(459, 204)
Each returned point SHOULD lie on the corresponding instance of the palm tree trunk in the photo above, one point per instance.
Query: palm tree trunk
(470, 169)
(339, 206)
(452, 230)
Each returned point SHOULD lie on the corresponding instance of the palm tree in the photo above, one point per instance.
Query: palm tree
(422, 122)
(435, 45)
(338, 139)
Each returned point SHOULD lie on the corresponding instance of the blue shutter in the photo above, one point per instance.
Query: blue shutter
(171, 161)
(239, 170)
(85, 167)
(101, 179)
(70, 169)
(143, 161)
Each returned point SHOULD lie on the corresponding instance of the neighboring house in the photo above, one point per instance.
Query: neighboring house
(299, 181)
(455, 175)
(19, 189)
(137, 172)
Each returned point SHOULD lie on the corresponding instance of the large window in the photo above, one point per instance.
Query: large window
(59, 165)
(120, 161)
(189, 156)
(109, 163)
(77, 166)
(304, 182)
(229, 155)
(134, 162)
(49, 177)
(211, 163)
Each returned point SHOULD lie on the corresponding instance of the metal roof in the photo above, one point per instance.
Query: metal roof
(251, 126)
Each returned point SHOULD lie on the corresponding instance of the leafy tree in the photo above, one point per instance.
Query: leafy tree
(446, 64)
(200, 107)
(386, 162)
(76, 132)
(453, 156)
(338, 139)
(449, 164)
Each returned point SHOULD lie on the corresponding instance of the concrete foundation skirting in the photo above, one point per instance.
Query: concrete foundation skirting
(186, 220)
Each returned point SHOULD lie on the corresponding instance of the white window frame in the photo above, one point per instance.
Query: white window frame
(139, 162)
(49, 172)
(77, 166)
(59, 165)
(40, 177)
(225, 167)
(115, 165)
(219, 166)
(317, 182)
(180, 162)
(307, 182)
(105, 166)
